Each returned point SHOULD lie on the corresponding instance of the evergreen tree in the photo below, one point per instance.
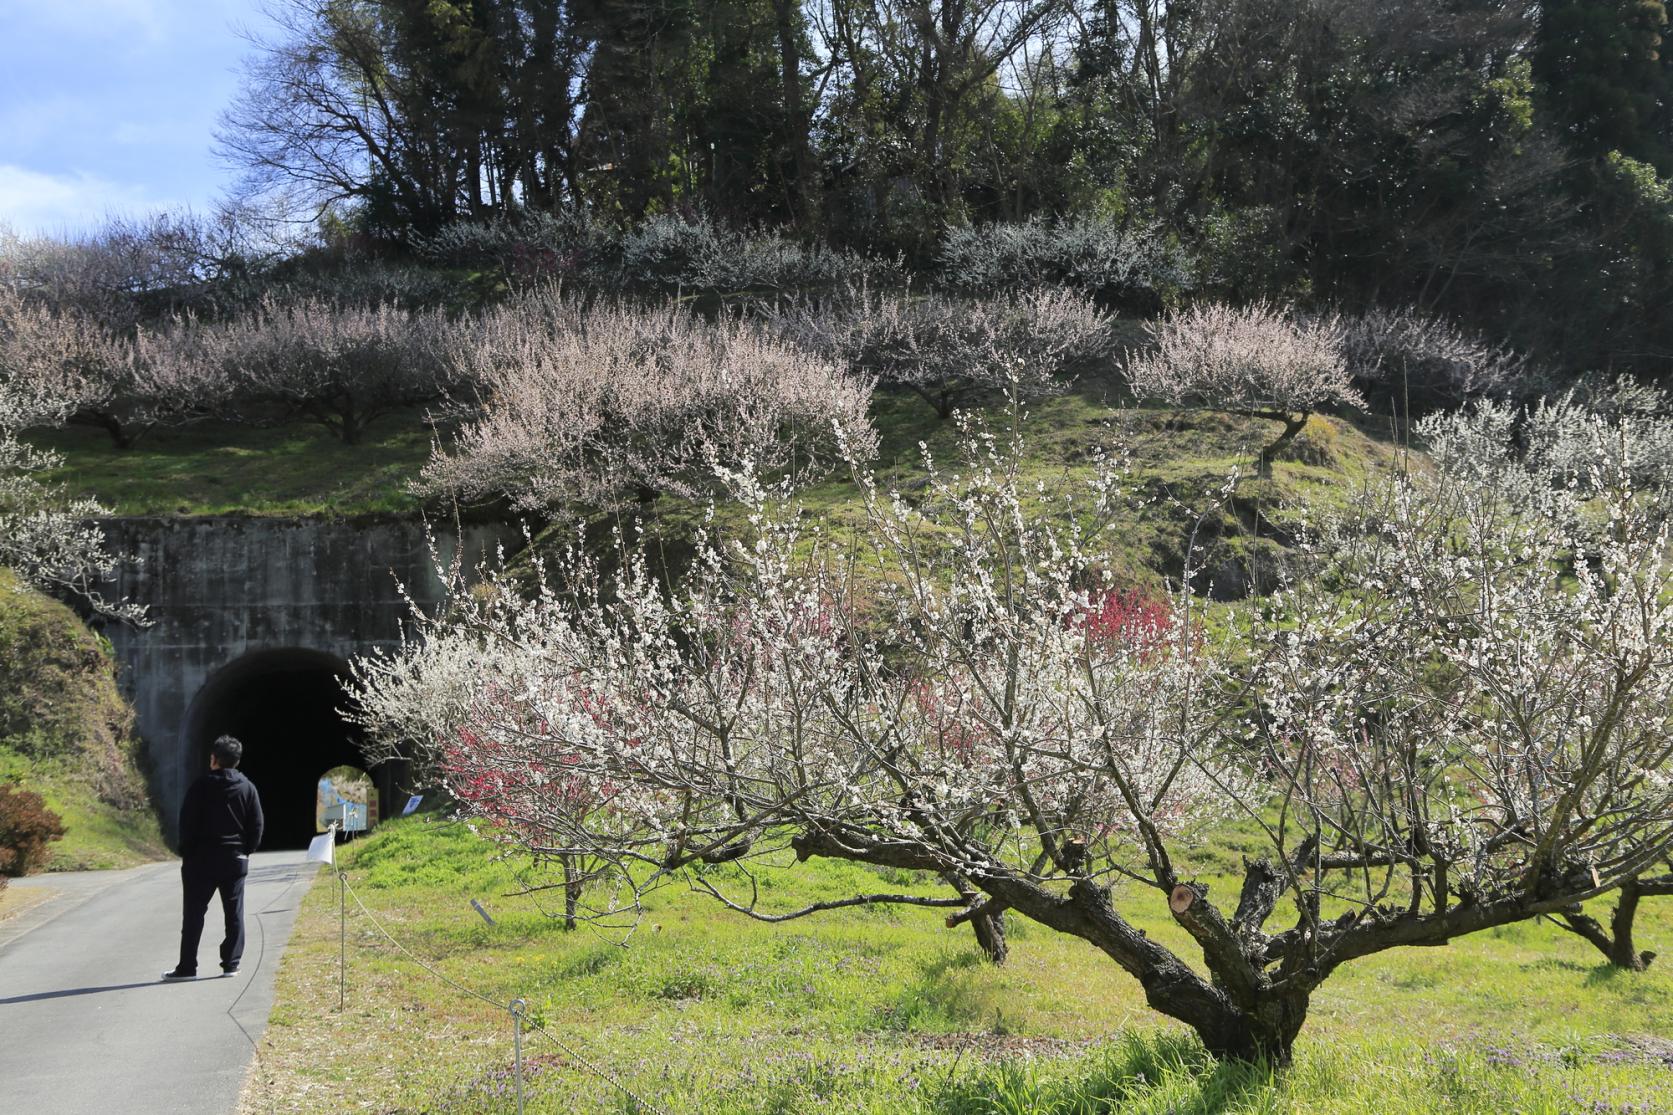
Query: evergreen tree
(1600, 68)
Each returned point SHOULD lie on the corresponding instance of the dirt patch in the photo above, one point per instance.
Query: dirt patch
(1642, 1048)
(15, 900)
(993, 1047)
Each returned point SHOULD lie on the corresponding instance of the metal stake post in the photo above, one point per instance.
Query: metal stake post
(342, 939)
(517, 1008)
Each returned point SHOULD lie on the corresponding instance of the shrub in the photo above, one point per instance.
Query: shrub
(953, 350)
(372, 283)
(27, 826)
(665, 253)
(1128, 617)
(1135, 264)
(672, 253)
(532, 245)
(1424, 363)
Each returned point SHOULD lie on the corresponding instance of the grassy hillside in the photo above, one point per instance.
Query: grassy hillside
(299, 469)
(67, 734)
(880, 1011)
(1178, 464)
(219, 468)
(1178, 461)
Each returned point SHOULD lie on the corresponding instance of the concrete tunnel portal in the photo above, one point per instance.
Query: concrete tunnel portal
(287, 706)
(253, 624)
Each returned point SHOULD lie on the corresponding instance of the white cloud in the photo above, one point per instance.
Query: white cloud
(35, 202)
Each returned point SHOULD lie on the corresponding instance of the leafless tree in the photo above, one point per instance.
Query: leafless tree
(355, 103)
(323, 112)
(132, 271)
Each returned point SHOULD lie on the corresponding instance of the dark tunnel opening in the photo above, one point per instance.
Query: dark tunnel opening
(283, 706)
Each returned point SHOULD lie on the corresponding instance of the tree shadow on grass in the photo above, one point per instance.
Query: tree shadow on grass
(1137, 1074)
(1607, 974)
(943, 996)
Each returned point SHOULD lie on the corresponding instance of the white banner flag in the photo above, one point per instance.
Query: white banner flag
(323, 848)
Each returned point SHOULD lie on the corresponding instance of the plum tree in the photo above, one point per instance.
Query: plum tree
(1255, 360)
(1460, 719)
(956, 351)
(588, 407)
(343, 366)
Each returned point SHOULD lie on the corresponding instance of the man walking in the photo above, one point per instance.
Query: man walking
(220, 825)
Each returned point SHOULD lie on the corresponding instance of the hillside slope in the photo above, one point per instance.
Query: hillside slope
(1177, 469)
(67, 733)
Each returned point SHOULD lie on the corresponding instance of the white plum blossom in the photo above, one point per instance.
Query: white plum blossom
(593, 406)
(1257, 360)
(1461, 719)
(47, 537)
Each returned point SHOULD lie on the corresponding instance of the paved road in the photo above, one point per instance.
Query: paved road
(85, 1024)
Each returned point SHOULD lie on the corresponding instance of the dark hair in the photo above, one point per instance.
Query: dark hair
(227, 752)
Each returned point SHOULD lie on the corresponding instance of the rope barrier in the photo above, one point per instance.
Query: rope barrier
(255, 970)
(515, 1008)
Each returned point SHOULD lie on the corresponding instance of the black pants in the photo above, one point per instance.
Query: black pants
(201, 877)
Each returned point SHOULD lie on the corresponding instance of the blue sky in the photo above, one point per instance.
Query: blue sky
(110, 106)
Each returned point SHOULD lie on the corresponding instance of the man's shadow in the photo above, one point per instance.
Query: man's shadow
(41, 995)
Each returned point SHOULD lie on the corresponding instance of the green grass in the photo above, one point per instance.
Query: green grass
(888, 1011)
(1178, 459)
(1176, 463)
(67, 734)
(217, 468)
(1170, 454)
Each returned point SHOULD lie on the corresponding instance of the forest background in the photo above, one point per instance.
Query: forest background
(1487, 159)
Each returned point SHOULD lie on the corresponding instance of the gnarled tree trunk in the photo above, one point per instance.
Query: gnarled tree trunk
(1293, 424)
(1615, 941)
(986, 917)
(990, 934)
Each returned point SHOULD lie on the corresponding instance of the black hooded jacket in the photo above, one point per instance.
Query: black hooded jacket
(220, 816)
